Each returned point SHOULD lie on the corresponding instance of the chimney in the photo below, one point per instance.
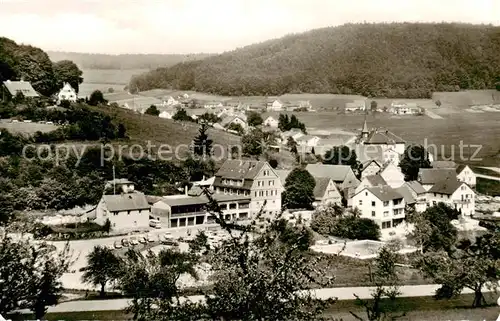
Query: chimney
(186, 190)
(203, 179)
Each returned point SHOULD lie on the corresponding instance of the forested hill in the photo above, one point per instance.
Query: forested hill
(126, 61)
(392, 60)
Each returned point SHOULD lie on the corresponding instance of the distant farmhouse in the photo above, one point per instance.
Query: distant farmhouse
(11, 88)
(67, 93)
(402, 108)
(356, 105)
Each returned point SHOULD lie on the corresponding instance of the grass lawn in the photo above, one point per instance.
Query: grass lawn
(27, 128)
(415, 309)
(488, 186)
(485, 171)
(110, 76)
(178, 136)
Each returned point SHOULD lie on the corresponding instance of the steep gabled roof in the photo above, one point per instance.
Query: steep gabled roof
(447, 186)
(376, 180)
(337, 173)
(384, 193)
(126, 202)
(381, 136)
(405, 191)
(416, 187)
(321, 186)
(181, 200)
(240, 169)
(23, 87)
(434, 175)
(460, 168)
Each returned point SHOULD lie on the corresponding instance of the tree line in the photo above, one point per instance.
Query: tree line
(394, 60)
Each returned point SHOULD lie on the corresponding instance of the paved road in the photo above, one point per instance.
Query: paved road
(493, 178)
(327, 293)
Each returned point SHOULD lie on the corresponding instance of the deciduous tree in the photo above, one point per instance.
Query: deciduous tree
(299, 189)
(67, 71)
(254, 119)
(103, 268)
(414, 158)
(152, 110)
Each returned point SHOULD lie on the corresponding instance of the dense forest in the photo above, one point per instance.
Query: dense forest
(385, 60)
(126, 61)
(34, 65)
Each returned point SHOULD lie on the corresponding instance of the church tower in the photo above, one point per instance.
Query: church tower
(364, 131)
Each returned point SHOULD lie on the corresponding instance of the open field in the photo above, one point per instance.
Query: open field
(415, 309)
(485, 171)
(110, 76)
(26, 128)
(86, 89)
(488, 186)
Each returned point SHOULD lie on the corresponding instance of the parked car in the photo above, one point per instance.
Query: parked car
(117, 245)
(134, 241)
(154, 223)
(168, 241)
(125, 242)
(150, 238)
(143, 240)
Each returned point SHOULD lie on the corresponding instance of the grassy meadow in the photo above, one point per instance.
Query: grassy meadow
(26, 128)
(103, 79)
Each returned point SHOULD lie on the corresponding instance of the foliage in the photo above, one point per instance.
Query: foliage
(292, 144)
(210, 118)
(333, 220)
(254, 119)
(473, 265)
(67, 71)
(103, 267)
(195, 168)
(237, 128)
(181, 115)
(433, 229)
(273, 163)
(299, 190)
(285, 123)
(96, 98)
(199, 244)
(29, 275)
(152, 110)
(253, 142)
(497, 86)
(438, 103)
(373, 105)
(202, 144)
(343, 155)
(386, 281)
(425, 57)
(414, 158)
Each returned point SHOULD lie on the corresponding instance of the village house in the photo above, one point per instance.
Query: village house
(393, 175)
(369, 168)
(295, 133)
(213, 104)
(125, 208)
(181, 211)
(342, 175)
(254, 179)
(170, 101)
(430, 176)
(276, 105)
(307, 141)
(403, 108)
(384, 139)
(167, 114)
(271, 122)
(66, 93)
(11, 88)
(382, 204)
(326, 192)
(356, 105)
(236, 119)
(466, 175)
(370, 181)
(414, 194)
(454, 193)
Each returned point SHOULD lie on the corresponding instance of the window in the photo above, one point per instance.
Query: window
(373, 203)
(255, 194)
(360, 202)
(373, 213)
(386, 203)
(128, 212)
(386, 213)
(225, 190)
(398, 201)
(366, 193)
(266, 193)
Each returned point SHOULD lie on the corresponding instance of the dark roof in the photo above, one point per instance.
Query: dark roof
(321, 186)
(381, 136)
(434, 175)
(460, 168)
(20, 86)
(229, 119)
(219, 197)
(443, 164)
(384, 193)
(337, 173)
(416, 187)
(376, 180)
(368, 162)
(240, 169)
(405, 190)
(126, 202)
(447, 186)
(180, 200)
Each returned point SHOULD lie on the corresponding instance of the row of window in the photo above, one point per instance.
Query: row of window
(386, 203)
(232, 191)
(237, 182)
(128, 212)
(263, 183)
(273, 192)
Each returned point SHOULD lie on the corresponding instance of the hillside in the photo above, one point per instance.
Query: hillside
(126, 61)
(385, 60)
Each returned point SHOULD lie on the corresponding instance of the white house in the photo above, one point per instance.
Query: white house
(125, 211)
(466, 175)
(414, 194)
(454, 193)
(166, 114)
(181, 210)
(236, 119)
(185, 96)
(392, 175)
(326, 192)
(382, 204)
(356, 105)
(271, 122)
(171, 101)
(213, 104)
(370, 167)
(66, 93)
(402, 108)
(307, 141)
(276, 105)
(295, 133)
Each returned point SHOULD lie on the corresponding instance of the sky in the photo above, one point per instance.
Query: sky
(210, 26)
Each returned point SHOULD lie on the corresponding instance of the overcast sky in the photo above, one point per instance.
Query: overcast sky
(187, 26)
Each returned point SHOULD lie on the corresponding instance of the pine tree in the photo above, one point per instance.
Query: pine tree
(202, 145)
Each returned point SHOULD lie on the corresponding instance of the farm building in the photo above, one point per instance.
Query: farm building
(12, 88)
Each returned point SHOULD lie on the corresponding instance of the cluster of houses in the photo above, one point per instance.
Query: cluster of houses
(396, 107)
(243, 188)
(12, 88)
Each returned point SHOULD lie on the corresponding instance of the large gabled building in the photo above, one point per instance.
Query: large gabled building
(11, 88)
(254, 179)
